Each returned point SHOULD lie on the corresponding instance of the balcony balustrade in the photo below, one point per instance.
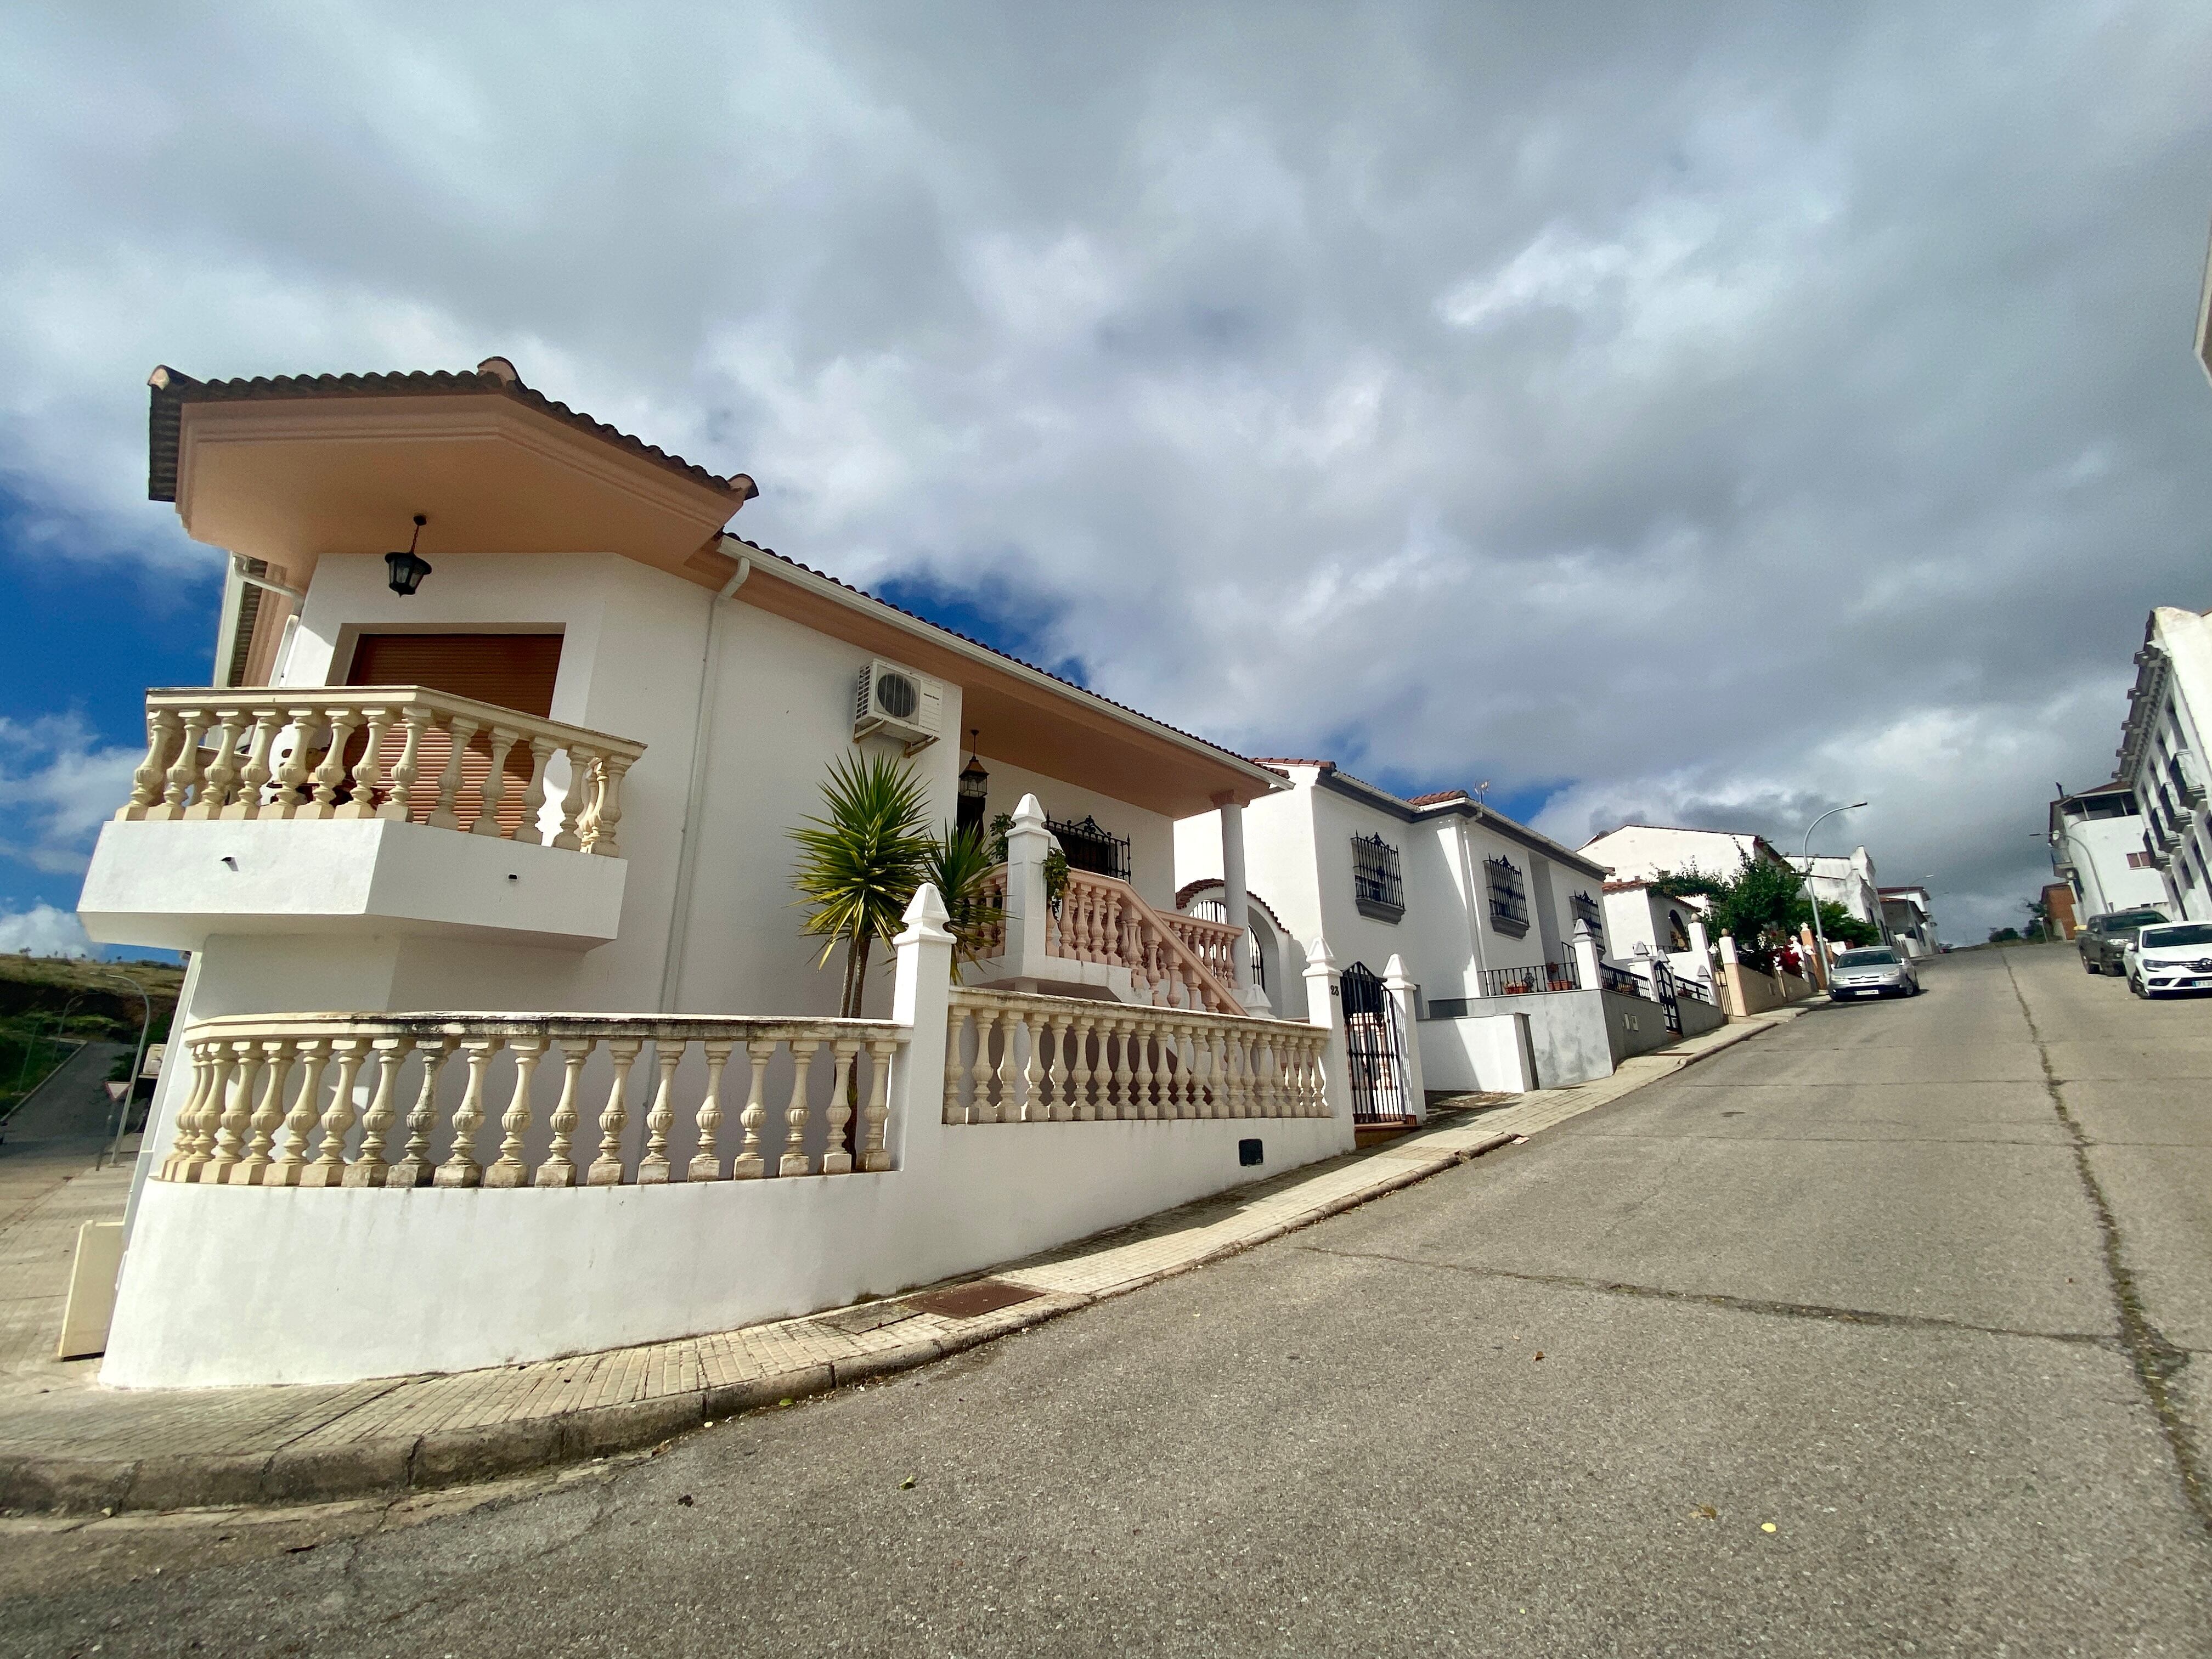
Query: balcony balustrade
(399, 752)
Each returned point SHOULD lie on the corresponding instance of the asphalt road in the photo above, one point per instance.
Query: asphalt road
(1885, 1333)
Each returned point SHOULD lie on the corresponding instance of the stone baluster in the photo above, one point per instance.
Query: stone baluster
(182, 1164)
(508, 1170)
(574, 804)
(234, 1112)
(399, 799)
(460, 1167)
(369, 773)
(413, 1168)
(1080, 1103)
(706, 1160)
(444, 814)
(980, 1076)
(955, 1027)
(874, 1157)
(221, 776)
(1114, 1065)
(289, 778)
(494, 789)
(1062, 1102)
(1036, 1105)
(330, 775)
(1142, 1105)
(653, 1169)
(268, 1115)
(1193, 1103)
(606, 1169)
(291, 1151)
(794, 1161)
(183, 774)
(369, 1168)
(559, 1169)
(1122, 1096)
(244, 800)
(835, 1160)
(146, 781)
(750, 1165)
(329, 1169)
(1010, 1067)
(533, 793)
(608, 816)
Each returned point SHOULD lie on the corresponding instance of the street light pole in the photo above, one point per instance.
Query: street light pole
(138, 1060)
(1812, 893)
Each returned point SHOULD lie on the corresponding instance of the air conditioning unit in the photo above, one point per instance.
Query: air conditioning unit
(897, 702)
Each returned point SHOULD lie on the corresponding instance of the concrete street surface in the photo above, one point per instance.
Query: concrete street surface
(1884, 1332)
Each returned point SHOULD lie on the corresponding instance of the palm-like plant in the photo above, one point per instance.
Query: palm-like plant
(860, 864)
(960, 864)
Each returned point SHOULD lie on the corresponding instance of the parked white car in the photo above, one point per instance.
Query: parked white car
(2174, 956)
(1874, 971)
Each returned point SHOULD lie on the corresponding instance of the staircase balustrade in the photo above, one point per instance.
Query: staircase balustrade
(401, 752)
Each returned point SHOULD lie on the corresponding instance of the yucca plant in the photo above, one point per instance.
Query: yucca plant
(960, 862)
(860, 862)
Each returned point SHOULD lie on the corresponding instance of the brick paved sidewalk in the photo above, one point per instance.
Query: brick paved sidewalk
(67, 1445)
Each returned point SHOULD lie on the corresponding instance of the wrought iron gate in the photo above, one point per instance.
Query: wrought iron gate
(1663, 986)
(1374, 1049)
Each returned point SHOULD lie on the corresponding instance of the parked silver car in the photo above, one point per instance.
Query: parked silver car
(1874, 971)
(2172, 956)
(2107, 937)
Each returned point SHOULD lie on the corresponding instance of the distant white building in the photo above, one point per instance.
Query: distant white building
(2098, 849)
(2162, 754)
(1909, 915)
(1849, 882)
(1639, 852)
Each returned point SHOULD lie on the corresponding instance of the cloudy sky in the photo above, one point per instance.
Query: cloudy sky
(1697, 414)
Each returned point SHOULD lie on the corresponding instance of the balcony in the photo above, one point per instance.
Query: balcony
(361, 809)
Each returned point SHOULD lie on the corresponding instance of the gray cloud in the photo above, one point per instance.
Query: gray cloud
(1721, 412)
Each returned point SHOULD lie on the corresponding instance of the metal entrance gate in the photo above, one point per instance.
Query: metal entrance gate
(1374, 1049)
(1663, 986)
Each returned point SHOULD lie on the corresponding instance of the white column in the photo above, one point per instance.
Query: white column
(1401, 987)
(1233, 901)
(1028, 841)
(1586, 956)
(1325, 1007)
(1702, 944)
(1733, 1004)
(921, 1001)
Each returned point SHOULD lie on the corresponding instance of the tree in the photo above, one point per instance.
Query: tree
(1758, 906)
(1837, 924)
(2004, 935)
(860, 864)
(960, 865)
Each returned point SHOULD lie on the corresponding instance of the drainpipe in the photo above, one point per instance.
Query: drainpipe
(702, 725)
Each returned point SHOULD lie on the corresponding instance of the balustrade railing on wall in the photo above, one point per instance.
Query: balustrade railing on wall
(1537, 977)
(1019, 1059)
(339, 1100)
(1620, 980)
(377, 751)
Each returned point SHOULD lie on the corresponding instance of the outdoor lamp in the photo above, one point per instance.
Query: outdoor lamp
(409, 568)
(974, 788)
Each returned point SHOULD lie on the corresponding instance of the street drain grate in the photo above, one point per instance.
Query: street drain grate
(972, 1300)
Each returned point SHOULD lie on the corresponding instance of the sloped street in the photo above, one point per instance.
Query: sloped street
(1885, 1333)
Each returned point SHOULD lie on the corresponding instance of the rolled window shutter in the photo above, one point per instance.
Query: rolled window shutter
(510, 671)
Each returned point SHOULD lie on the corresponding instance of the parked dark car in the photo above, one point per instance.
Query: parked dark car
(2105, 939)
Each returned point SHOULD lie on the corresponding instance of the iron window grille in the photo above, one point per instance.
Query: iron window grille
(1586, 910)
(1091, 848)
(1509, 896)
(1377, 888)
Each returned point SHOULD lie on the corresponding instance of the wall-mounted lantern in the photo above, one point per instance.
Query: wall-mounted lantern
(974, 790)
(409, 568)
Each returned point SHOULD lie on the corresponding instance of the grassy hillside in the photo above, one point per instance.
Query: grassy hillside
(42, 998)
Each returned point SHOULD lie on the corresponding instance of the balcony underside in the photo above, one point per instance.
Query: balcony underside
(170, 885)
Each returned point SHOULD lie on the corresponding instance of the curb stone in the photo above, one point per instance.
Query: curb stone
(402, 1462)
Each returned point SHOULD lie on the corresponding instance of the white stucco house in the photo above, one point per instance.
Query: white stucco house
(1846, 880)
(1490, 936)
(2099, 848)
(2162, 756)
(500, 1039)
(1639, 852)
(1908, 916)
